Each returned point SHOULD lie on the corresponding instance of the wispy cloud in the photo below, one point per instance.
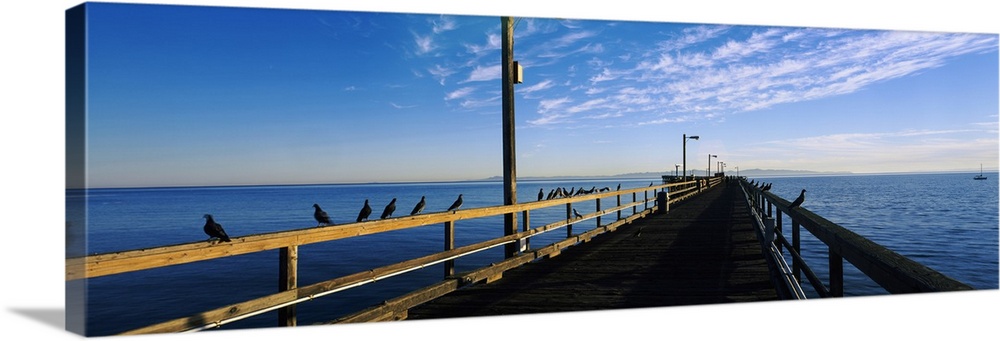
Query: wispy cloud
(878, 152)
(444, 24)
(397, 106)
(536, 87)
(441, 73)
(425, 43)
(460, 93)
(480, 73)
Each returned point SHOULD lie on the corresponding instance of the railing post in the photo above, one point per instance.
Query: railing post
(797, 246)
(526, 225)
(598, 210)
(836, 274)
(619, 197)
(645, 199)
(449, 244)
(569, 215)
(633, 201)
(288, 270)
(777, 226)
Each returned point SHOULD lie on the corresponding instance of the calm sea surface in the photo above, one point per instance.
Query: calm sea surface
(945, 221)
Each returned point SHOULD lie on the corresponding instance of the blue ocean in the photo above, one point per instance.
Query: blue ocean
(948, 222)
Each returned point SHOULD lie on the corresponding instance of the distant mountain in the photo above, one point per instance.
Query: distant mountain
(755, 172)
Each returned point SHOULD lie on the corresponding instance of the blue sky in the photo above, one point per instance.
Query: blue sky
(212, 96)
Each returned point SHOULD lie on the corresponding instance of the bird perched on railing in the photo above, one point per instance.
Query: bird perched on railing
(541, 194)
(798, 201)
(766, 187)
(391, 207)
(420, 206)
(214, 230)
(322, 219)
(456, 204)
(365, 212)
(577, 214)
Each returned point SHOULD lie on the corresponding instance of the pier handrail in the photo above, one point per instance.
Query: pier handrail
(892, 271)
(288, 241)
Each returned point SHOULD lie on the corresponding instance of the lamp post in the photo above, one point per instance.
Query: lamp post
(710, 156)
(685, 154)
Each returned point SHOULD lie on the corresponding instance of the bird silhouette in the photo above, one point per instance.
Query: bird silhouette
(766, 187)
(321, 217)
(391, 207)
(457, 204)
(420, 206)
(365, 212)
(798, 201)
(541, 194)
(552, 194)
(214, 230)
(619, 188)
(577, 214)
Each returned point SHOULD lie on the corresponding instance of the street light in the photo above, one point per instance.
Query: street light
(686, 155)
(710, 156)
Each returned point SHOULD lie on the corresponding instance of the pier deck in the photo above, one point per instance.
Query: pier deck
(703, 251)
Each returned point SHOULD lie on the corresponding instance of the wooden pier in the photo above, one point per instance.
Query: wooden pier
(705, 241)
(703, 251)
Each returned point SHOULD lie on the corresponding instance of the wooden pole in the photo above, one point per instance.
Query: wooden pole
(288, 273)
(509, 166)
(449, 244)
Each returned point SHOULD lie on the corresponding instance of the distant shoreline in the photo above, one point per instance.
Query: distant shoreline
(751, 173)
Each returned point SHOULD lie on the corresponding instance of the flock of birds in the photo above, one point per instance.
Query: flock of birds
(216, 233)
(767, 187)
(562, 192)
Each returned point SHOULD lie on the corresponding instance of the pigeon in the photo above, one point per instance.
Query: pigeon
(552, 194)
(365, 211)
(577, 214)
(214, 230)
(541, 194)
(457, 204)
(420, 206)
(321, 217)
(798, 201)
(387, 212)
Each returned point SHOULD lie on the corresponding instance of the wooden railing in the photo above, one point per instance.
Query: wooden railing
(893, 272)
(289, 293)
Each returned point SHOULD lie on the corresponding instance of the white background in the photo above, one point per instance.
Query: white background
(32, 207)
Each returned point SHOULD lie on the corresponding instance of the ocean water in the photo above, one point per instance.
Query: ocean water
(946, 221)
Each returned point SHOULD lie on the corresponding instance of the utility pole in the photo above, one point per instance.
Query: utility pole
(509, 166)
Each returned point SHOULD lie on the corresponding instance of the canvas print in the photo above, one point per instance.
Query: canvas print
(235, 168)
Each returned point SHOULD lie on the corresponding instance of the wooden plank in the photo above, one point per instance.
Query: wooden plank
(673, 262)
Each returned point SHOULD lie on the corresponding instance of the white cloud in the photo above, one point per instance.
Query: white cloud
(488, 73)
(460, 93)
(536, 87)
(441, 72)
(444, 24)
(424, 44)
